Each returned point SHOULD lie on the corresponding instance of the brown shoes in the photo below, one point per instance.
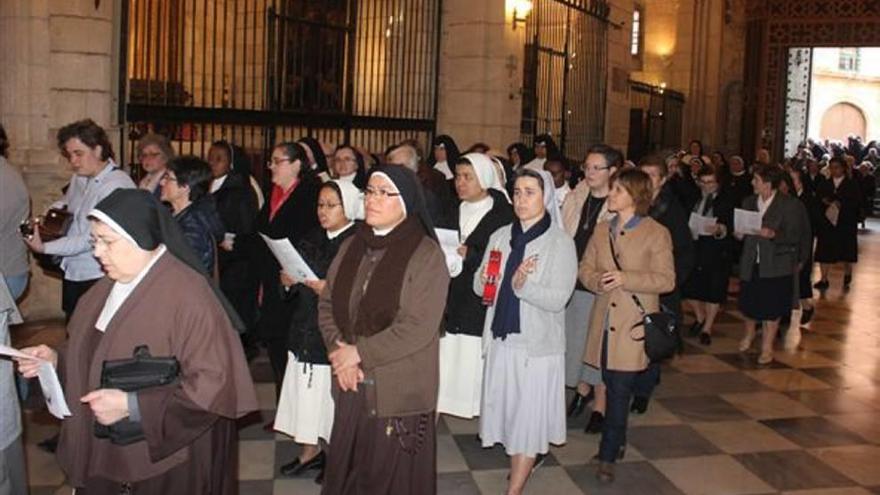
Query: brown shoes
(605, 472)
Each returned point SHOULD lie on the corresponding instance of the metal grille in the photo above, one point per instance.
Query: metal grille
(655, 119)
(257, 72)
(797, 98)
(565, 73)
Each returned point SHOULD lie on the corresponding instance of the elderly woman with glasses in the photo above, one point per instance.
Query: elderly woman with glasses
(154, 152)
(181, 437)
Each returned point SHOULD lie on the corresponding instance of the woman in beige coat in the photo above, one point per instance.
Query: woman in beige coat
(644, 253)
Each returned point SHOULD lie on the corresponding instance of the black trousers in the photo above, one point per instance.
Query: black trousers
(71, 291)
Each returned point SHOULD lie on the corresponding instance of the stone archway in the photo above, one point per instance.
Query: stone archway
(842, 120)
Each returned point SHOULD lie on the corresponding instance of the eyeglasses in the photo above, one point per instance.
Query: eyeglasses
(277, 162)
(149, 155)
(167, 177)
(107, 243)
(379, 193)
(328, 206)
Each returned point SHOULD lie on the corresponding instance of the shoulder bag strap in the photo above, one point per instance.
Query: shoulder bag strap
(617, 264)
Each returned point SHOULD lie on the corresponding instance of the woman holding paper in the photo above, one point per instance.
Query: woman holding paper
(157, 294)
(289, 214)
(838, 226)
(305, 407)
(769, 259)
(706, 287)
(524, 335)
(482, 211)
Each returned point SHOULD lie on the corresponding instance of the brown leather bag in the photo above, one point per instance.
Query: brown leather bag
(55, 224)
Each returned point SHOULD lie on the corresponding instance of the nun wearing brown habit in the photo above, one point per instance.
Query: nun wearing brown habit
(380, 317)
(156, 294)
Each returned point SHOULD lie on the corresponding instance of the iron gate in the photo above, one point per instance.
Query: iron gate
(565, 70)
(257, 72)
(655, 120)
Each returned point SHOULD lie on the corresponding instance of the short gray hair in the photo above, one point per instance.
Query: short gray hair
(160, 142)
(410, 159)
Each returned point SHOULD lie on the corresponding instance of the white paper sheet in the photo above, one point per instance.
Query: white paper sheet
(52, 391)
(746, 222)
(701, 225)
(49, 383)
(289, 258)
(449, 243)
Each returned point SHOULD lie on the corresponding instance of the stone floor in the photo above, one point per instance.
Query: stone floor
(809, 424)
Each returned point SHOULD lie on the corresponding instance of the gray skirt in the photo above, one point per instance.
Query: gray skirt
(577, 322)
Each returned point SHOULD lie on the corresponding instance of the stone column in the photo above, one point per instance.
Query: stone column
(619, 67)
(481, 60)
(58, 60)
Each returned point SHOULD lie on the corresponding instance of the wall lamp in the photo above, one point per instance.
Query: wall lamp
(521, 10)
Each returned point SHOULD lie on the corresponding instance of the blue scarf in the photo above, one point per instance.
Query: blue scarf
(506, 320)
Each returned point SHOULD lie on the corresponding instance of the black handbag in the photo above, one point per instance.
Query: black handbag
(130, 375)
(660, 328)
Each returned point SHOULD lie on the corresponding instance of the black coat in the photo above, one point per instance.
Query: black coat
(304, 339)
(840, 242)
(465, 312)
(685, 189)
(712, 256)
(201, 226)
(236, 204)
(294, 220)
(738, 188)
(668, 212)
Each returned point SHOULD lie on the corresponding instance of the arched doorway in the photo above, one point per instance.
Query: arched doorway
(842, 120)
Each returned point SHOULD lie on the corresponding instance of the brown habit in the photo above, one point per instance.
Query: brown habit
(190, 444)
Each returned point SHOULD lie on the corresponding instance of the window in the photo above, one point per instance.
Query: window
(849, 60)
(636, 42)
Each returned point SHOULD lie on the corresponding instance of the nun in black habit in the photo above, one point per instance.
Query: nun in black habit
(380, 316)
(444, 157)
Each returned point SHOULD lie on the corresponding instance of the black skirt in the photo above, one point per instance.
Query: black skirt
(805, 281)
(708, 281)
(766, 299)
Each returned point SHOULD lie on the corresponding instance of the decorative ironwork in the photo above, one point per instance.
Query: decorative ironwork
(797, 97)
(260, 71)
(777, 25)
(564, 73)
(655, 119)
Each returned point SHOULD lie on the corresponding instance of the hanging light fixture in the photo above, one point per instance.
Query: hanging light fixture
(521, 10)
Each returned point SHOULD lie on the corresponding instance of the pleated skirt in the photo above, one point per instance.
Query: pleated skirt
(461, 375)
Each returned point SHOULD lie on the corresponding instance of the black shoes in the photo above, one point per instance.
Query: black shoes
(579, 403)
(821, 285)
(296, 467)
(696, 328)
(847, 281)
(49, 445)
(807, 315)
(705, 339)
(595, 423)
(639, 405)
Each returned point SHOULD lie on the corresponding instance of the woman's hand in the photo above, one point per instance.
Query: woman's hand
(462, 251)
(348, 379)
(286, 280)
(720, 231)
(344, 357)
(611, 280)
(767, 233)
(34, 241)
(316, 285)
(522, 272)
(29, 367)
(109, 405)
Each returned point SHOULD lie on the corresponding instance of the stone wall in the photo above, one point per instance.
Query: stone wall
(58, 60)
(481, 59)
